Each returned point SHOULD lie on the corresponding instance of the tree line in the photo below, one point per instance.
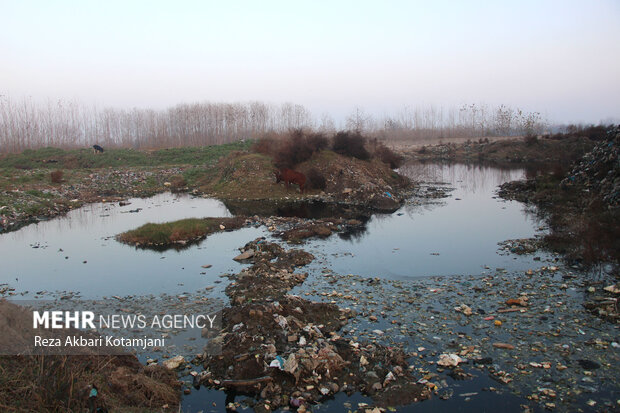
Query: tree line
(26, 123)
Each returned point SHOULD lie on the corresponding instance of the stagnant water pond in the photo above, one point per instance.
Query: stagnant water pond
(455, 237)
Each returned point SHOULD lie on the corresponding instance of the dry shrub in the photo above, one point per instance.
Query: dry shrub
(56, 176)
(350, 144)
(388, 156)
(264, 145)
(152, 386)
(317, 141)
(297, 147)
(177, 182)
(59, 383)
(315, 180)
(292, 151)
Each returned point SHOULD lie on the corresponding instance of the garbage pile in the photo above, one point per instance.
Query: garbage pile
(520, 246)
(599, 170)
(287, 351)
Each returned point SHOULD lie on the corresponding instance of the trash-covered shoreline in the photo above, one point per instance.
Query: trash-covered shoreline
(529, 332)
(544, 335)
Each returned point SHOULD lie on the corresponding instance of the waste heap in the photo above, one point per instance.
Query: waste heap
(286, 350)
(599, 170)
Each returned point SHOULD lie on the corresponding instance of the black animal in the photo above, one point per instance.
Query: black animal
(97, 148)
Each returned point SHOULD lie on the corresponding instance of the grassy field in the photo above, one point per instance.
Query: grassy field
(55, 158)
(28, 189)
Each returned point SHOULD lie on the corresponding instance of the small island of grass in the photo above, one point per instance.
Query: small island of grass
(178, 233)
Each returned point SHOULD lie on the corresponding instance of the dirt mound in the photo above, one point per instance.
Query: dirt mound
(599, 170)
(354, 181)
(347, 180)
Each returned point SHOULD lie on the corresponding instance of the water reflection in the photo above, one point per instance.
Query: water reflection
(470, 178)
(313, 209)
(454, 235)
(78, 252)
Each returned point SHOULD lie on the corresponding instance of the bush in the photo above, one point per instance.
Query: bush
(388, 156)
(56, 176)
(292, 151)
(350, 144)
(177, 182)
(264, 145)
(317, 141)
(315, 179)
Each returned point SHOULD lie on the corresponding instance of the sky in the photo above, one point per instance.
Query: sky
(561, 58)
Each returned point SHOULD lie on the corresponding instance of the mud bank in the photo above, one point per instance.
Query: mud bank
(507, 152)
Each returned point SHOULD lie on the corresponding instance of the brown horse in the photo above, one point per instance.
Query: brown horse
(289, 175)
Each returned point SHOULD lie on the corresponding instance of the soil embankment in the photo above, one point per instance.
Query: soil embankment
(61, 383)
(504, 152)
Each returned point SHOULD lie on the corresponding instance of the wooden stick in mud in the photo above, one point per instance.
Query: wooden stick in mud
(247, 382)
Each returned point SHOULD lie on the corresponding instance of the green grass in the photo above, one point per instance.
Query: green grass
(85, 158)
(183, 230)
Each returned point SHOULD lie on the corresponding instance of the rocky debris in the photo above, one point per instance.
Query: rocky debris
(581, 210)
(245, 255)
(520, 191)
(604, 304)
(552, 332)
(599, 170)
(174, 362)
(352, 181)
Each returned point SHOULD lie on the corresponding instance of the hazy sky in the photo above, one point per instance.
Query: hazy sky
(561, 57)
